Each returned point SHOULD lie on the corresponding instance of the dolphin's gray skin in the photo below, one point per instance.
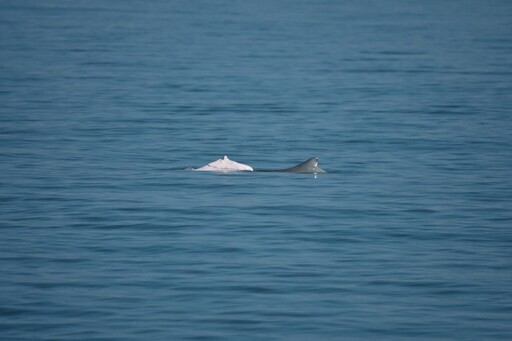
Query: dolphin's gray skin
(308, 166)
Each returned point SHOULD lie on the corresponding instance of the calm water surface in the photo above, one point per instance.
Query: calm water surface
(107, 236)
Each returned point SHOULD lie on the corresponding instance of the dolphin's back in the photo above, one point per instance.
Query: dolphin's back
(227, 165)
(308, 166)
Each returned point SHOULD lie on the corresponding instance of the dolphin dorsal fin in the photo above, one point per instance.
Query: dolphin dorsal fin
(308, 166)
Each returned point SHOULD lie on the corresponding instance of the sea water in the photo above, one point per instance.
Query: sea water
(106, 234)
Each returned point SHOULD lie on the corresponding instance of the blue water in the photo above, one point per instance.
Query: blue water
(105, 234)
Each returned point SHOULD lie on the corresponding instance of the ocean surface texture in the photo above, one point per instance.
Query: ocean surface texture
(107, 234)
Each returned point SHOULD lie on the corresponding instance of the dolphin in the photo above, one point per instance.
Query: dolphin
(224, 165)
(227, 165)
(308, 166)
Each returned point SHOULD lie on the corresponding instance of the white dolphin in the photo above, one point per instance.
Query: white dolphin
(225, 165)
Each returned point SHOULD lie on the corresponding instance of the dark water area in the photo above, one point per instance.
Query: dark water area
(106, 234)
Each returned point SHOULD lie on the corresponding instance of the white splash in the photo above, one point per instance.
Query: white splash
(225, 165)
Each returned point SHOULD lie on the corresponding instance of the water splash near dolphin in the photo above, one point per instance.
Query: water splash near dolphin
(227, 165)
